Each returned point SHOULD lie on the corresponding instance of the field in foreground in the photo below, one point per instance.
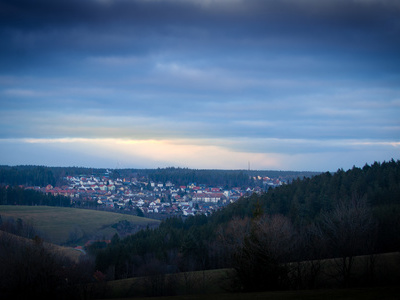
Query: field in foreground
(58, 224)
(221, 284)
(381, 293)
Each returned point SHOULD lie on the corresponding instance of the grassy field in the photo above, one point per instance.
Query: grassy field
(57, 223)
(199, 282)
(216, 284)
(376, 293)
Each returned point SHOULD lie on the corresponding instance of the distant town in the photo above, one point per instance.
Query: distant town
(146, 198)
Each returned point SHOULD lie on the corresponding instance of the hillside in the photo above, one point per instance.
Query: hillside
(305, 201)
(219, 283)
(344, 214)
(70, 253)
(280, 239)
(61, 225)
(32, 268)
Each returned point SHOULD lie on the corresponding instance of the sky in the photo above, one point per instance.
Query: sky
(307, 85)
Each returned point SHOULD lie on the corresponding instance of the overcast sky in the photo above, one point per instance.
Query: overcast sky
(284, 85)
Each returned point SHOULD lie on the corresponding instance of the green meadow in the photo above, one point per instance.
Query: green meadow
(58, 224)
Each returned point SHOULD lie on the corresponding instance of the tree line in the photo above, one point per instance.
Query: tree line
(15, 195)
(222, 178)
(27, 175)
(42, 176)
(339, 215)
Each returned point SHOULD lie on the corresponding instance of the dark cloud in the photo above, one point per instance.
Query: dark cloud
(310, 70)
(325, 19)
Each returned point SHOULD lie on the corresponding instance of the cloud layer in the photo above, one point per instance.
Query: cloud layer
(291, 85)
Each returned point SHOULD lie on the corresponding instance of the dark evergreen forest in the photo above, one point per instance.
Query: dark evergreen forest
(27, 175)
(223, 178)
(344, 214)
(15, 195)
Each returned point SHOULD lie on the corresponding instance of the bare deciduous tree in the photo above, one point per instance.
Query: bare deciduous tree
(232, 237)
(260, 249)
(307, 257)
(349, 231)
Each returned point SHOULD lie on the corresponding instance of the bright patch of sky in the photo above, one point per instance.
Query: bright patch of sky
(310, 85)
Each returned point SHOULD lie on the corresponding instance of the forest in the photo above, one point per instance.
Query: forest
(15, 195)
(223, 178)
(42, 176)
(339, 215)
(265, 238)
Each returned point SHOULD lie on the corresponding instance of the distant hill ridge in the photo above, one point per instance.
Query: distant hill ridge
(42, 175)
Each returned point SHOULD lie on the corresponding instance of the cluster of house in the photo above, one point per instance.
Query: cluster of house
(154, 199)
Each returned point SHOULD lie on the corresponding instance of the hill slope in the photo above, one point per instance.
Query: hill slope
(61, 225)
(210, 242)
